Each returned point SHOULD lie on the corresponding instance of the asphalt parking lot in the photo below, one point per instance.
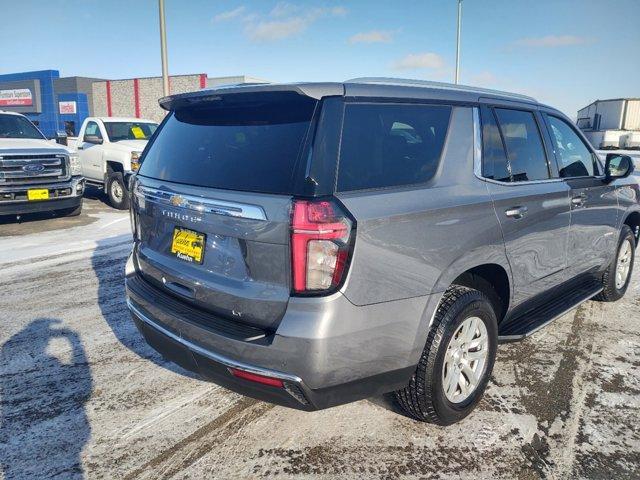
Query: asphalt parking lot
(83, 396)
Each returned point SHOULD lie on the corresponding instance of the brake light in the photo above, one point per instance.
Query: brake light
(320, 245)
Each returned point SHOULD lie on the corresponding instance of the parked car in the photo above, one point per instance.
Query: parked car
(36, 174)
(326, 242)
(110, 150)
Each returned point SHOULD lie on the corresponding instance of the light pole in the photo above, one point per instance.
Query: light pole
(163, 50)
(457, 41)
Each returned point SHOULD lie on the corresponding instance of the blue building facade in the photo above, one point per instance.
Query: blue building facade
(53, 103)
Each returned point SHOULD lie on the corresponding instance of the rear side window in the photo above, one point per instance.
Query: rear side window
(494, 158)
(248, 146)
(387, 145)
(522, 140)
(574, 158)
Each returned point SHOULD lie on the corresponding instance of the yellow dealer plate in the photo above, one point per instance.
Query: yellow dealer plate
(38, 194)
(188, 245)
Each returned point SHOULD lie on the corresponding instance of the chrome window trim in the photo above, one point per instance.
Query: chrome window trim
(202, 204)
(477, 143)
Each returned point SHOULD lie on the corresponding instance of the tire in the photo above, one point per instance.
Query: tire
(424, 398)
(613, 288)
(115, 184)
(72, 212)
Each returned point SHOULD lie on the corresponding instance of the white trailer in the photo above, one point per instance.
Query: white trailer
(613, 123)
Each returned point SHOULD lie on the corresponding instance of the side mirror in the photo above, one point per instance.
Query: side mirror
(96, 140)
(61, 138)
(618, 166)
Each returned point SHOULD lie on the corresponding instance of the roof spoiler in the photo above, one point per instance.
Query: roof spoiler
(312, 90)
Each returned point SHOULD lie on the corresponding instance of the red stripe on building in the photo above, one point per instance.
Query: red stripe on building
(108, 98)
(203, 80)
(136, 96)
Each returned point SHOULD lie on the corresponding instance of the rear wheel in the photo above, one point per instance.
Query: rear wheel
(117, 191)
(457, 360)
(617, 276)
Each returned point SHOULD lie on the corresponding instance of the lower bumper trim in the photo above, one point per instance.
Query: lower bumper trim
(19, 208)
(227, 362)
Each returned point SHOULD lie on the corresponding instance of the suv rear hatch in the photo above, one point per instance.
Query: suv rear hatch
(213, 201)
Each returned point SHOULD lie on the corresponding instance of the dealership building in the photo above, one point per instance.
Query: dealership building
(60, 104)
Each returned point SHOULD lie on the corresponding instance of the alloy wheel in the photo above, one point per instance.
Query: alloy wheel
(465, 360)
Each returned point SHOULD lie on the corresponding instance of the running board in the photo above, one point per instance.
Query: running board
(530, 322)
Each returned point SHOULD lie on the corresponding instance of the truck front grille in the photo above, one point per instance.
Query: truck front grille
(33, 169)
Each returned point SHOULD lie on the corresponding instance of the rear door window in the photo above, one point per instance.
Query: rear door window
(494, 159)
(523, 143)
(574, 157)
(246, 146)
(386, 145)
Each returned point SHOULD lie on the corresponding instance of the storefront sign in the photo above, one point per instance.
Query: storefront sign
(16, 98)
(67, 107)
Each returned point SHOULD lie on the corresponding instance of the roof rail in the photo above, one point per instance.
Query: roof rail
(439, 85)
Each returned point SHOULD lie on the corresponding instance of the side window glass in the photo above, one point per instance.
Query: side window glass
(574, 158)
(494, 158)
(92, 129)
(524, 145)
(386, 145)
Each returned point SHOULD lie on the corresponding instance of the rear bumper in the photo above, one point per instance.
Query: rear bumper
(319, 367)
(67, 195)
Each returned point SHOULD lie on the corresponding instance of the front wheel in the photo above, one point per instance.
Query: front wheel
(457, 360)
(117, 191)
(617, 276)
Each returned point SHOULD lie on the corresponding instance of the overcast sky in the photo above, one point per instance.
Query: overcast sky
(565, 53)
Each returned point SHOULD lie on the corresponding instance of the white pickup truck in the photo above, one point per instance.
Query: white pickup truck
(109, 149)
(36, 174)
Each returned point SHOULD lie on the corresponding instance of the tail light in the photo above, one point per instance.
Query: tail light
(321, 237)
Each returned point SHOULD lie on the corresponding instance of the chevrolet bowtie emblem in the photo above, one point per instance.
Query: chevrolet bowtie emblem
(177, 201)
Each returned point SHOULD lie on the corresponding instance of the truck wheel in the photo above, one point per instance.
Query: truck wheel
(72, 212)
(457, 360)
(117, 191)
(617, 276)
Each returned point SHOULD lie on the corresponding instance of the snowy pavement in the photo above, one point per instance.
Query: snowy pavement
(83, 396)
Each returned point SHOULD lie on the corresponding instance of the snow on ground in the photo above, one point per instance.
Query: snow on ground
(83, 396)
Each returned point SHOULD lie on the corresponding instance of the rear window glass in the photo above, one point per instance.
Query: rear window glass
(390, 145)
(244, 146)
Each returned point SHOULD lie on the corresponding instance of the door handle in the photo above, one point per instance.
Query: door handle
(80, 147)
(516, 212)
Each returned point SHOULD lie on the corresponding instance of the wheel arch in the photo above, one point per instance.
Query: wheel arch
(491, 279)
(111, 166)
(476, 269)
(632, 219)
(474, 273)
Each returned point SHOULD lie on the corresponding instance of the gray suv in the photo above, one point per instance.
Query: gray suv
(313, 244)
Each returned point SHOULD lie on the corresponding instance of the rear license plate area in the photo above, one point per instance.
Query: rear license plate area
(188, 245)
